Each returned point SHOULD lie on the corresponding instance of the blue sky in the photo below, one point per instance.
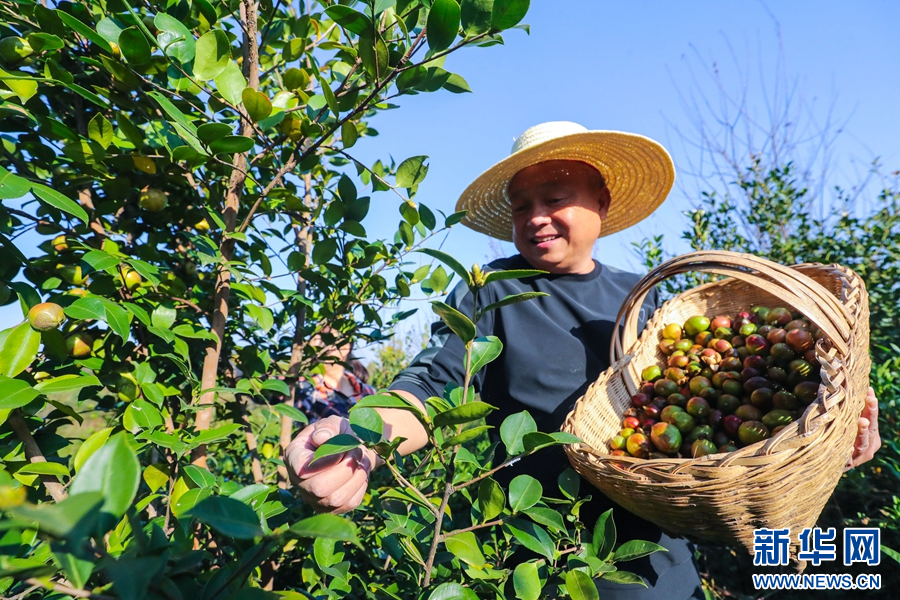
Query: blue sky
(625, 66)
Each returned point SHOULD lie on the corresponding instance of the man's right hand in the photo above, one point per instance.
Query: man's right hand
(334, 483)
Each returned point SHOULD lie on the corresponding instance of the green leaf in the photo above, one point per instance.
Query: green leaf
(547, 517)
(74, 517)
(536, 440)
(45, 42)
(232, 144)
(524, 492)
(514, 428)
(349, 134)
(624, 577)
(449, 591)
(100, 130)
(324, 250)
(19, 350)
(457, 85)
(385, 401)
(90, 445)
(526, 580)
(76, 569)
(134, 46)
(475, 16)
(367, 425)
(12, 186)
(66, 383)
(286, 410)
(338, 444)
(118, 319)
(450, 262)
(891, 553)
(109, 30)
(330, 99)
(580, 586)
(470, 411)
(231, 83)
(349, 19)
(210, 132)
(45, 468)
(532, 536)
(443, 24)
(507, 13)
(439, 280)
(213, 54)
(253, 496)
(228, 516)
(455, 320)
(21, 85)
(491, 499)
(513, 299)
(484, 350)
(114, 471)
(82, 29)
(174, 38)
(15, 393)
(412, 171)
(216, 434)
(636, 549)
(465, 547)
(189, 500)
(257, 104)
(569, 483)
(57, 200)
(604, 538)
(174, 113)
(324, 526)
(466, 436)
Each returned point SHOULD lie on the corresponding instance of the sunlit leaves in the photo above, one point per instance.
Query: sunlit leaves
(134, 46)
(112, 470)
(460, 324)
(15, 393)
(231, 83)
(412, 171)
(100, 130)
(18, 350)
(443, 23)
(174, 38)
(257, 104)
(213, 52)
(508, 13)
(513, 430)
(227, 516)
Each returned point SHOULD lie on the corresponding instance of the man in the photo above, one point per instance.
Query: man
(560, 189)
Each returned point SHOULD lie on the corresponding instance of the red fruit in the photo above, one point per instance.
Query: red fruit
(797, 324)
(779, 317)
(652, 411)
(715, 419)
(732, 363)
(737, 341)
(719, 322)
(776, 336)
(722, 346)
(638, 445)
(756, 343)
(679, 362)
(640, 400)
(631, 422)
(748, 374)
(731, 423)
(754, 383)
(647, 388)
(799, 340)
(748, 412)
(755, 362)
(648, 422)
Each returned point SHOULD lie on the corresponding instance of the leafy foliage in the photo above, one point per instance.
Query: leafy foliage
(185, 171)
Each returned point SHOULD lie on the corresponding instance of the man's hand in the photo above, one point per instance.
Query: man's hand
(334, 483)
(868, 440)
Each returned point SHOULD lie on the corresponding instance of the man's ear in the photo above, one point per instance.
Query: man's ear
(604, 199)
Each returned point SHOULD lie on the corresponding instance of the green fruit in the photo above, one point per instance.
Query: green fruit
(79, 345)
(46, 316)
(153, 199)
(700, 432)
(128, 391)
(132, 279)
(684, 345)
(72, 274)
(698, 407)
(651, 373)
(779, 317)
(665, 437)
(751, 432)
(785, 400)
(724, 333)
(665, 387)
(806, 391)
(702, 448)
(698, 384)
(748, 412)
(14, 49)
(761, 398)
(728, 403)
(668, 413)
(617, 443)
(726, 448)
(748, 329)
(777, 418)
(761, 311)
(695, 325)
(677, 399)
(683, 422)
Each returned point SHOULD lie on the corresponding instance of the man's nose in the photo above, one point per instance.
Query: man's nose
(539, 217)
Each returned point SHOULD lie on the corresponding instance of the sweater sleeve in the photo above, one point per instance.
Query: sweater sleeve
(443, 359)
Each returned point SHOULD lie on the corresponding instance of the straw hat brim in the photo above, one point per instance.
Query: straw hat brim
(638, 172)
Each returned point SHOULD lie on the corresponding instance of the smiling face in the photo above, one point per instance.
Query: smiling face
(558, 207)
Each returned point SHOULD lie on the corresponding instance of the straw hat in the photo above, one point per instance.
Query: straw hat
(638, 172)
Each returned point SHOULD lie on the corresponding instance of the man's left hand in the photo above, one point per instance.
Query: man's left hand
(868, 440)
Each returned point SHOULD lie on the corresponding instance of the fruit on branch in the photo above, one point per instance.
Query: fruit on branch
(46, 316)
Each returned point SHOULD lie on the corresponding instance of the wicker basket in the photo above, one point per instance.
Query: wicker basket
(784, 481)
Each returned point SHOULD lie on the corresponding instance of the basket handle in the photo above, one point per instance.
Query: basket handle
(795, 288)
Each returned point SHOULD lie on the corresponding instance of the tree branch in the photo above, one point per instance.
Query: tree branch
(34, 455)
